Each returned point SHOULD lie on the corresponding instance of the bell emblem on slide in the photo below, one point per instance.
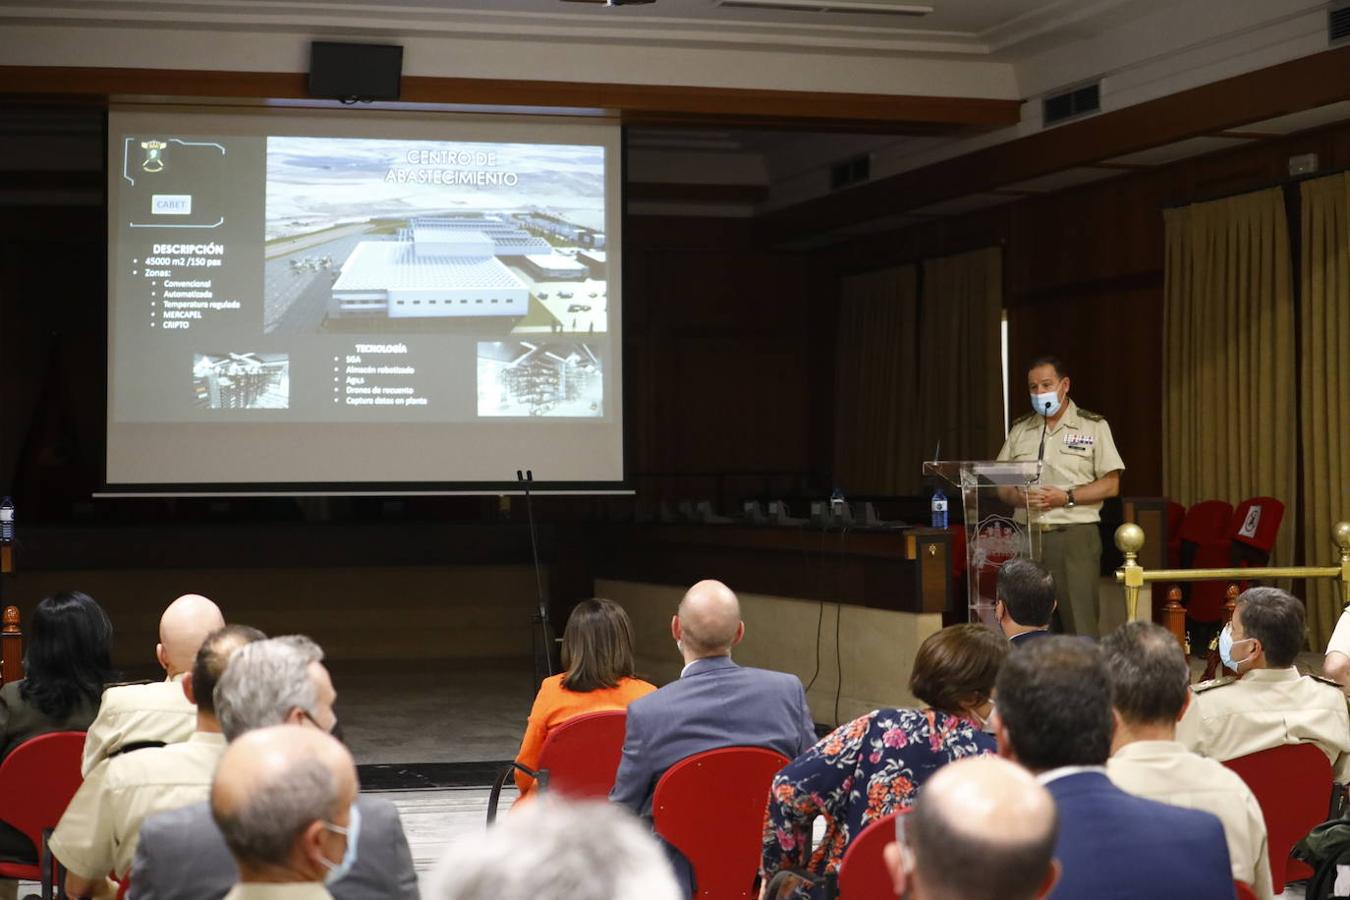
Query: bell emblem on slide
(154, 159)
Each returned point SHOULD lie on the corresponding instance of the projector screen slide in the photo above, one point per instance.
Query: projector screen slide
(362, 301)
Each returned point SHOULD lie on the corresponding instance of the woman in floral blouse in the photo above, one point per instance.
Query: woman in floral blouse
(875, 765)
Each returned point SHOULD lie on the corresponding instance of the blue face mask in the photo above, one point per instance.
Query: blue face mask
(338, 871)
(1038, 402)
(1226, 648)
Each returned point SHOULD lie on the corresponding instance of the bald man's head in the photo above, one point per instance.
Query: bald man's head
(185, 624)
(708, 622)
(983, 829)
(281, 797)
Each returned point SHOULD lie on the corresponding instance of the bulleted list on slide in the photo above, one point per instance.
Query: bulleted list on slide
(302, 279)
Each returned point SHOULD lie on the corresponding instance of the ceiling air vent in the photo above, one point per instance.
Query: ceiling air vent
(850, 172)
(1070, 104)
(1338, 23)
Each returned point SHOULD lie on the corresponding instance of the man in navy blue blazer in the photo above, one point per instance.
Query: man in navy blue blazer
(1053, 715)
(715, 703)
(1026, 601)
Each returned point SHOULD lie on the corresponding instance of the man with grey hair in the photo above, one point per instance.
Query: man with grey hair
(1269, 704)
(552, 849)
(1149, 677)
(284, 798)
(983, 829)
(182, 855)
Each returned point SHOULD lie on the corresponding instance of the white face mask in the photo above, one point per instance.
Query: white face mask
(1039, 401)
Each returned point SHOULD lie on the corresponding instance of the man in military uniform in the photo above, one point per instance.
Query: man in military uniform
(1269, 704)
(98, 831)
(151, 715)
(1082, 468)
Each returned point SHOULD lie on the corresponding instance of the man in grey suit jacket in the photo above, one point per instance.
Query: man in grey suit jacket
(715, 703)
(182, 856)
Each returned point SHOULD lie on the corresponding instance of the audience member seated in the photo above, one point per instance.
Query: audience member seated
(1149, 679)
(97, 834)
(67, 662)
(1269, 703)
(1026, 600)
(597, 652)
(715, 703)
(182, 855)
(984, 829)
(134, 716)
(1054, 717)
(1336, 663)
(557, 850)
(285, 800)
(876, 764)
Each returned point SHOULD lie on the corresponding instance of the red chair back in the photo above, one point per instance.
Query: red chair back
(1256, 524)
(1244, 891)
(1293, 785)
(711, 807)
(1205, 545)
(37, 780)
(582, 754)
(862, 872)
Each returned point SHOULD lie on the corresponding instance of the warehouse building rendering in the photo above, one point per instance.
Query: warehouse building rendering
(436, 268)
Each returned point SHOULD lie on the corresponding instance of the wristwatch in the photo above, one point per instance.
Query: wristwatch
(1070, 503)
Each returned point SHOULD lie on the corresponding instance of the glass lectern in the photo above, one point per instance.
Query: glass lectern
(999, 523)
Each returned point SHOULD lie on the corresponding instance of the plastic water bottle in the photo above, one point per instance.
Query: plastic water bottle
(7, 521)
(939, 509)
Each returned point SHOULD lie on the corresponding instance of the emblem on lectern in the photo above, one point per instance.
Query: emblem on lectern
(154, 159)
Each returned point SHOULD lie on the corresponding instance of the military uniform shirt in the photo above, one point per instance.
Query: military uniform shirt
(98, 832)
(1268, 708)
(139, 713)
(1078, 451)
(1167, 772)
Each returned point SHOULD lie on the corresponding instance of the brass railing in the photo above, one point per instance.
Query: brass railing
(1130, 540)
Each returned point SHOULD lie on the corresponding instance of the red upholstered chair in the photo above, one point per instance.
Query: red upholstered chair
(579, 758)
(862, 872)
(37, 780)
(1253, 530)
(1244, 891)
(1293, 785)
(1204, 545)
(711, 808)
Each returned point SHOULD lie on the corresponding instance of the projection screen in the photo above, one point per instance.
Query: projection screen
(316, 301)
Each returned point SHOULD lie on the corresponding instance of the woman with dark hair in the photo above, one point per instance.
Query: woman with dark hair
(67, 662)
(875, 765)
(597, 654)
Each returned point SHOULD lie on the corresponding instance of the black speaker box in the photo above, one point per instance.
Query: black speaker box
(352, 72)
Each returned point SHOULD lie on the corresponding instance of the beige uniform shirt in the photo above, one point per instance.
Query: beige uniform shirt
(1340, 638)
(1078, 451)
(299, 890)
(1169, 773)
(99, 830)
(1268, 708)
(135, 713)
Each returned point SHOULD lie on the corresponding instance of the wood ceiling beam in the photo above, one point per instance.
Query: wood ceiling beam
(648, 104)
